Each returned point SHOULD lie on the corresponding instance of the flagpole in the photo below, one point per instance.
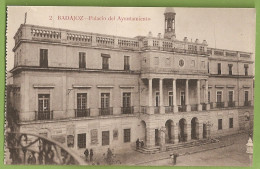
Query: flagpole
(25, 17)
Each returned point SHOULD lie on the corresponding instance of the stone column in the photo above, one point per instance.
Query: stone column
(207, 94)
(174, 92)
(198, 95)
(188, 131)
(162, 110)
(150, 97)
(187, 102)
(176, 133)
(200, 130)
(150, 137)
(162, 138)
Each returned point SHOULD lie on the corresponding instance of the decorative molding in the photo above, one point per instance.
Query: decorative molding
(43, 86)
(246, 86)
(231, 86)
(219, 86)
(81, 86)
(105, 86)
(126, 86)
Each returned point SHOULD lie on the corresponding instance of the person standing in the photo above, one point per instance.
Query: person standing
(91, 155)
(86, 154)
(137, 144)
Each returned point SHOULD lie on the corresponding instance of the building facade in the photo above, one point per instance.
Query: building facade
(90, 90)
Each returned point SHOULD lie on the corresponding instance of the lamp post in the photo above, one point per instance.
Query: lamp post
(249, 149)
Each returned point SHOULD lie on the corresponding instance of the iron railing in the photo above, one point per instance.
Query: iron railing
(143, 109)
(247, 103)
(127, 110)
(220, 104)
(106, 111)
(43, 115)
(105, 66)
(194, 107)
(32, 149)
(204, 106)
(231, 104)
(82, 112)
(126, 67)
(211, 105)
(156, 110)
(182, 108)
(169, 109)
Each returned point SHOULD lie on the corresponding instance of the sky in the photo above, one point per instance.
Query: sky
(224, 28)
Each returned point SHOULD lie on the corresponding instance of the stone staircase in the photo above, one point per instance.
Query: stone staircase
(174, 147)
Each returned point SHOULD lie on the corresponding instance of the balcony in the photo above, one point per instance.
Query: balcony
(105, 66)
(194, 107)
(204, 106)
(220, 104)
(144, 109)
(106, 111)
(182, 108)
(168, 109)
(126, 67)
(231, 104)
(247, 103)
(44, 115)
(156, 110)
(127, 110)
(82, 112)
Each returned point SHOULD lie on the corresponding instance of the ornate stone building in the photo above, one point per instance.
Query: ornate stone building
(90, 90)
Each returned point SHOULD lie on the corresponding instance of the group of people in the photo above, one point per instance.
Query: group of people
(89, 153)
(139, 143)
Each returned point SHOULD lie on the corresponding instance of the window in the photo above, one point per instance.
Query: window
(246, 96)
(208, 96)
(127, 99)
(126, 63)
(219, 124)
(246, 69)
(105, 61)
(105, 100)
(105, 138)
(157, 99)
(44, 107)
(219, 96)
(82, 140)
(156, 61)
(203, 64)
(193, 63)
(230, 96)
(81, 100)
(170, 98)
(230, 69)
(208, 67)
(44, 58)
(82, 60)
(230, 123)
(219, 68)
(127, 135)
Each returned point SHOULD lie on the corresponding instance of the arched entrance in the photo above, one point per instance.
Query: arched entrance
(195, 128)
(143, 131)
(182, 130)
(169, 134)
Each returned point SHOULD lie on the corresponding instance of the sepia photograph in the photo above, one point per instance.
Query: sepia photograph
(130, 86)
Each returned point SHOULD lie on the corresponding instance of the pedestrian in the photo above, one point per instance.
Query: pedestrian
(109, 156)
(86, 152)
(91, 155)
(137, 144)
(142, 143)
(175, 155)
(31, 159)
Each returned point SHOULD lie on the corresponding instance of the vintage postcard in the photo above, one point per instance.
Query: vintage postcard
(129, 86)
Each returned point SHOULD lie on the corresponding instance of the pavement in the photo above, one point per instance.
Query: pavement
(230, 151)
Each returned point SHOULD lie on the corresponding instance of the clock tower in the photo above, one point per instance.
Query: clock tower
(169, 25)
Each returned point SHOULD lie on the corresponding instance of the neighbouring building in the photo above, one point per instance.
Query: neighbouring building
(89, 90)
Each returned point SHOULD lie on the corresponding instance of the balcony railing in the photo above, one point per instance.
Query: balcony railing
(127, 110)
(194, 107)
(82, 112)
(220, 104)
(43, 115)
(204, 106)
(126, 67)
(106, 111)
(168, 109)
(156, 110)
(231, 104)
(143, 109)
(105, 66)
(247, 103)
(182, 108)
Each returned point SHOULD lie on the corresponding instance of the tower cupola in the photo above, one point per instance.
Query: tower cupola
(169, 25)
